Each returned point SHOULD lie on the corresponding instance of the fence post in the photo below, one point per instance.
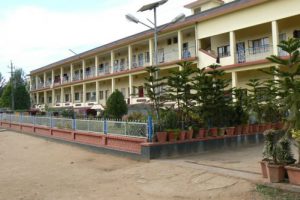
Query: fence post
(51, 121)
(74, 122)
(105, 126)
(150, 128)
(21, 118)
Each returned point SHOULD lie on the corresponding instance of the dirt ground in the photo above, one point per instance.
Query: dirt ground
(33, 168)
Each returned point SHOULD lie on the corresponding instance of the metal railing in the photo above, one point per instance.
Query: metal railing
(109, 127)
(254, 54)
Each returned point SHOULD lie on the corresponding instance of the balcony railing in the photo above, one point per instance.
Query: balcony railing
(103, 71)
(90, 73)
(120, 68)
(166, 55)
(254, 54)
(77, 77)
(40, 85)
(188, 52)
(66, 79)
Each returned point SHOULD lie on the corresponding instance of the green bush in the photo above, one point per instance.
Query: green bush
(116, 106)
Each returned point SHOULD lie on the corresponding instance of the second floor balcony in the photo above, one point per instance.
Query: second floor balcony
(254, 53)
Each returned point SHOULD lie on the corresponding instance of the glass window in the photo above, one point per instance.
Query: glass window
(77, 96)
(67, 97)
(147, 57)
(141, 59)
(223, 51)
(101, 96)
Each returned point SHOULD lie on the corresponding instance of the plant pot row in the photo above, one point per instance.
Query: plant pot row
(276, 173)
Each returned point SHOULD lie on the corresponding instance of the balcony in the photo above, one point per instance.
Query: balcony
(120, 68)
(90, 73)
(104, 70)
(77, 77)
(254, 54)
(66, 79)
(40, 85)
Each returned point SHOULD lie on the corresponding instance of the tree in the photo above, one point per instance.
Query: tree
(179, 90)
(21, 95)
(154, 86)
(116, 106)
(2, 84)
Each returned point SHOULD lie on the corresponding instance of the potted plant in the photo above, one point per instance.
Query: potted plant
(277, 154)
(294, 170)
(230, 131)
(161, 136)
(189, 133)
(182, 135)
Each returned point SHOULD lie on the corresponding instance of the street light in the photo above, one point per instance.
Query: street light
(153, 6)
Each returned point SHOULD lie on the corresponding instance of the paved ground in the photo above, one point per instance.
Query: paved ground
(33, 168)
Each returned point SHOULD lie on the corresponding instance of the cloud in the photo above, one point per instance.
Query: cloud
(34, 36)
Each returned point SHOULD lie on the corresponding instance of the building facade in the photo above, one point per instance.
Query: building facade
(238, 34)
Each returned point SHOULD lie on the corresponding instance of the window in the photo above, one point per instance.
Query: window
(175, 40)
(296, 34)
(101, 95)
(101, 68)
(57, 98)
(186, 53)
(147, 57)
(49, 99)
(169, 41)
(88, 96)
(77, 96)
(67, 97)
(122, 64)
(282, 37)
(134, 64)
(161, 56)
(197, 10)
(106, 94)
(259, 46)
(224, 51)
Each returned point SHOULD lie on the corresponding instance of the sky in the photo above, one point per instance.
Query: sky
(35, 33)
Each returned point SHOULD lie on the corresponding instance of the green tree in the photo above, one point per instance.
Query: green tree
(2, 83)
(21, 95)
(153, 86)
(116, 106)
(179, 90)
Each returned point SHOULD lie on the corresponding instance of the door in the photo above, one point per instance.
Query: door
(241, 54)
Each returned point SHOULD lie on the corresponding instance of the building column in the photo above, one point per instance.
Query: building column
(53, 97)
(97, 92)
(234, 81)
(36, 82)
(151, 52)
(72, 94)
(96, 65)
(83, 69)
(113, 85)
(84, 93)
(30, 83)
(275, 36)
(45, 77)
(71, 72)
(37, 98)
(129, 56)
(232, 46)
(179, 33)
(61, 75)
(130, 88)
(45, 98)
(197, 45)
(52, 77)
(61, 95)
(112, 60)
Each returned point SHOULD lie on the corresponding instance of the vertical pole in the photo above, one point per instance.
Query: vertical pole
(12, 86)
(156, 59)
(51, 122)
(105, 127)
(74, 122)
(150, 128)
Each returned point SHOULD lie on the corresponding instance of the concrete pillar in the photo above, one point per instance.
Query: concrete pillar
(151, 51)
(71, 72)
(130, 88)
(52, 77)
(62, 95)
(232, 40)
(179, 33)
(234, 81)
(113, 85)
(30, 83)
(53, 97)
(84, 93)
(72, 94)
(45, 77)
(36, 82)
(61, 75)
(275, 36)
(45, 98)
(129, 56)
(37, 98)
(83, 69)
(97, 92)
(197, 45)
(112, 60)
(96, 65)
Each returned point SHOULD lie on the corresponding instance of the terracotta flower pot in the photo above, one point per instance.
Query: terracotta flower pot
(202, 133)
(221, 132)
(294, 174)
(161, 136)
(189, 134)
(263, 165)
(213, 132)
(250, 129)
(275, 173)
(171, 136)
(230, 130)
(182, 135)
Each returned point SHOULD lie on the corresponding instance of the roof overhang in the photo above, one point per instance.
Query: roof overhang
(201, 2)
